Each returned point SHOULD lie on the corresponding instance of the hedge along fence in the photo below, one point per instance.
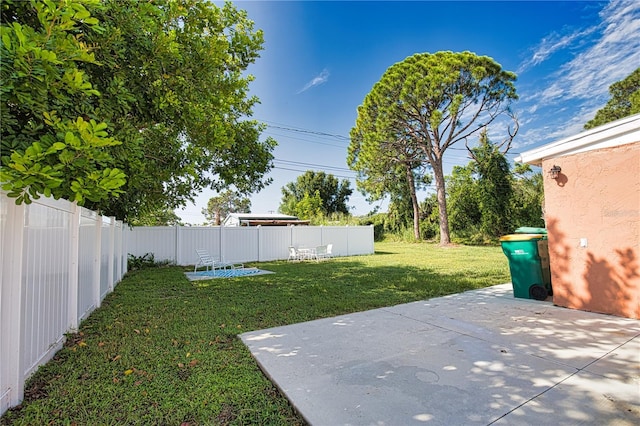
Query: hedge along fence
(58, 262)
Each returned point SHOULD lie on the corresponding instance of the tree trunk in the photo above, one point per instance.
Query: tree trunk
(442, 202)
(414, 202)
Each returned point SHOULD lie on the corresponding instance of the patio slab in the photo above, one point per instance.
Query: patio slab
(479, 357)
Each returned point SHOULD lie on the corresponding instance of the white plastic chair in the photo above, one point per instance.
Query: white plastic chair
(324, 252)
(206, 260)
(294, 254)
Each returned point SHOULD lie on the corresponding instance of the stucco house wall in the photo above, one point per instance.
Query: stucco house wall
(592, 216)
(592, 213)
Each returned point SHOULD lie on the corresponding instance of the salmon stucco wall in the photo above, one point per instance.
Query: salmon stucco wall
(592, 212)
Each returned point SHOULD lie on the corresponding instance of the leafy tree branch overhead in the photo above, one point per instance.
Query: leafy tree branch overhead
(168, 79)
(50, 146)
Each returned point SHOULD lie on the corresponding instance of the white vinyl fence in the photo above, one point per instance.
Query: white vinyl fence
(244, 244)
(58, 262)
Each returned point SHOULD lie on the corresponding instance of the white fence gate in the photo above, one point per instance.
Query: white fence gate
(58, 262)
(244, 244)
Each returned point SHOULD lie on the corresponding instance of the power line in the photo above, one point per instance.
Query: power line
(292, 128)
(302, 171)
(305, 140)
(299, 163)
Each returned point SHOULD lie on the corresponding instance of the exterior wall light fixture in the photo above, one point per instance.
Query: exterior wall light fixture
(554, 172)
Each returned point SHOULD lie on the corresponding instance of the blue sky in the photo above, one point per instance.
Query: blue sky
(321, 58)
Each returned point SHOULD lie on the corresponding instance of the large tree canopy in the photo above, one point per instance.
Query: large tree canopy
(169, 80)
(312, 187)
(625, 101)
(430, 102)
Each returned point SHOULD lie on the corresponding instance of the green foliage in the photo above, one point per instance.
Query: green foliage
(145, 261)
(177, 123)
(49, 145)
(156, 217)
(182, 115)
(429, 226)
(332, 193)
(463, 199)
(309, 207)
(419, 108)
(625, 101)
(377, 220)
(487, 201)
(527, 199)
(160, 351)
(494, 187)
(225, 203)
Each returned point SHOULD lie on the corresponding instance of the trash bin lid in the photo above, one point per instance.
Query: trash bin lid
(530, 230)
(522, 237)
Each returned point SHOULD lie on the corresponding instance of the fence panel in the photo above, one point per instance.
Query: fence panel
(245, 244)
(12, 226)
(306, 236)
(338, 236)
(361, 240)
(45, 276)
(87, 255)
(240, 244)
(105, 253)
(50, 278)
(273, 242)
(193, 238)
(159, 240)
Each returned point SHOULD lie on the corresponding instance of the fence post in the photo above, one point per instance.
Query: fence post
(259, 247)
(74, 253)
(291, 235)
(112, 252)
(11, 306)
(222, 244)
(118, 251)
(95, 287)
(126, 235)
(177, 254)
(348, 253)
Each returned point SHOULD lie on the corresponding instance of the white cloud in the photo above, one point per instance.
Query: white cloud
(551, 44)
(608, 53)
(614, 56)
(321, 78)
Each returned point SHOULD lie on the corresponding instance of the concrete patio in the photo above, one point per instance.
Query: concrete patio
(479, 357)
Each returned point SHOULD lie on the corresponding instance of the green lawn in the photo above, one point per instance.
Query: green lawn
(163, 350)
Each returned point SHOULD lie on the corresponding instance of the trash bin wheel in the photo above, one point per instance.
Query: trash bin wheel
(538, 292)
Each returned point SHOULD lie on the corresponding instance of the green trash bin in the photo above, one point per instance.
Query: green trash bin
(528, 256)
(530, 230)
(543, 252)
